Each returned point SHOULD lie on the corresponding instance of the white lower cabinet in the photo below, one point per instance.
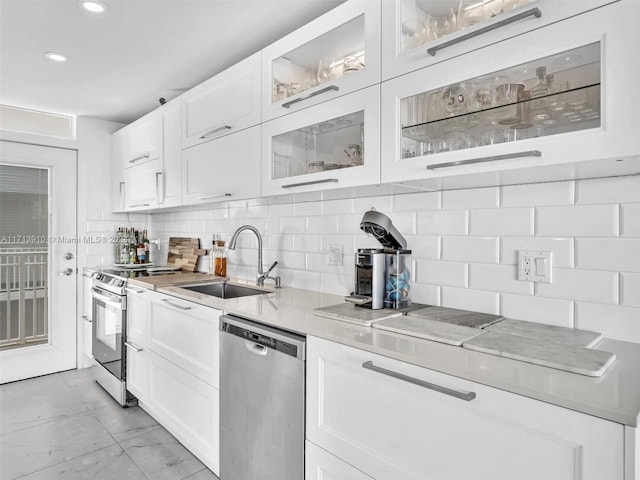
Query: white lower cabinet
(172, 367)
(383, 417)
(321, 465)
(187, 407)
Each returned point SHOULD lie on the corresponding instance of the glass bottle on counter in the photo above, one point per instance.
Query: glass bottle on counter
(220, 259)
(139, 248)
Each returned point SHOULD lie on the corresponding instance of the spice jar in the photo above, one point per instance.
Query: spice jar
(220, 259)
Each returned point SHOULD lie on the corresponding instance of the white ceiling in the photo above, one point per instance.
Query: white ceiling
(122, 61)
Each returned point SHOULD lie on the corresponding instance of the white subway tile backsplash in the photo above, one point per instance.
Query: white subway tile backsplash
(582, 285)
(474, 300)
(425, 294)
(307, 208)
(608, 190)
(630, 289)
(498, 278)
(464, 245)
(453, 222)
(504, 221)
(322, 225)
(617, 254)
(538, 194)
(471, 198)
(381, 204)
(436, 272)
(417, 202)
(538, 309)
(562, 249)
(293, 224)
(424, 246)
(337, 207)
(630, 221)
(94, 226)
(622, 323)
(470, 249)
(577, 221)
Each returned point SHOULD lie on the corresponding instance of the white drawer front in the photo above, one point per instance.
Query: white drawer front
(394, 429)
(321, 465)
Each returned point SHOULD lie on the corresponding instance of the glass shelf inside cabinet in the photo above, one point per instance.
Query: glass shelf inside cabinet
(424, 21)
(325, 59)
(549, 96)
(329, 145)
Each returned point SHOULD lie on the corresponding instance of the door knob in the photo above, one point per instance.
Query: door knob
(66, 271)
(68, 256)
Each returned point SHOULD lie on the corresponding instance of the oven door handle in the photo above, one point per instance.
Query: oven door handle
(106, 300)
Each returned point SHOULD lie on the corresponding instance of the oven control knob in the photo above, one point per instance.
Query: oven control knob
(119, 283)
(98, 276)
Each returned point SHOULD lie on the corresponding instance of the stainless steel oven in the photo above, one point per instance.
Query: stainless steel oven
(109, 305)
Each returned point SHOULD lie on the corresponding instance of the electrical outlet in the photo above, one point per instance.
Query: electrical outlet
(534, 266)
(334, 255)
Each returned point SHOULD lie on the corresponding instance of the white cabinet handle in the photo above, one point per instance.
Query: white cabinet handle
(133, 290)
(532, 12)
(467, 396)
(133, 346)
(159, 188)
(313, 182)
(506, 156)
(139, 205)
(121, 195)
(175, 305)
(218, 195)
(215, 130)
(87, 318)
(141, 157)
(313, 94)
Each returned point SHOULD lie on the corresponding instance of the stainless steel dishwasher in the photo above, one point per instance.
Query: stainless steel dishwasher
(262, 387)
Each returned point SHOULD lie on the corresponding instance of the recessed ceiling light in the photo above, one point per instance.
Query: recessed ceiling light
(56, 57)
(93, 6)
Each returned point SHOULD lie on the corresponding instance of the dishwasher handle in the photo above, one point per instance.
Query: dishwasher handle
(260, 338)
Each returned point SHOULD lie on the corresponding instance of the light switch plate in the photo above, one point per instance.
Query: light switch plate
(334, 255)
(535, 266)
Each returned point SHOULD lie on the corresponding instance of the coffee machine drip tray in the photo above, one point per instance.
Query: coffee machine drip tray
(347, 312)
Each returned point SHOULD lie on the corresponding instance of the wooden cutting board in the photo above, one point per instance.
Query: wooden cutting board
(184, 253)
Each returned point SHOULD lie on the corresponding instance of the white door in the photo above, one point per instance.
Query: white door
(38, 247)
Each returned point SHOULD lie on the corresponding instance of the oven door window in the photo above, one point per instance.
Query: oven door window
(107, 335)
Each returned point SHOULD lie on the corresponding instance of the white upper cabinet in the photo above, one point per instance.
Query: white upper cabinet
(550, 104)
(226, 168)
(335, 54)
(224, 104)
(419, 33)
(332, 145)
(144, 139)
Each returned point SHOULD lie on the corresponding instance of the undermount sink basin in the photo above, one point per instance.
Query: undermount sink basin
(224, 290)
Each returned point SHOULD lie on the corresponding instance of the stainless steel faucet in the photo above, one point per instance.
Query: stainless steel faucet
(262, 276)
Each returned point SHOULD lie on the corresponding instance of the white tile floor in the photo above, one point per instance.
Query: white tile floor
(65, 426)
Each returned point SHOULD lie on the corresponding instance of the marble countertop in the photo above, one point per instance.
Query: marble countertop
(614, 396)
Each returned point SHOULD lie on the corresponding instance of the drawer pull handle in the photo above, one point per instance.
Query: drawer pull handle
(307, 97)
(506, 156)
(532, 12)
(133, 346)
(87, 318)
(141, 157)
(313, 182)
(139, 205)
(215, 130)
(133, 290)
(467, 396)
(175, 305)
(218, 195)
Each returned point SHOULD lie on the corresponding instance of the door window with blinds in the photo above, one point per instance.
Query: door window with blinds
(24, 246)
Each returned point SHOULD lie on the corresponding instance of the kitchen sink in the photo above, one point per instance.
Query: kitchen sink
(224, 290)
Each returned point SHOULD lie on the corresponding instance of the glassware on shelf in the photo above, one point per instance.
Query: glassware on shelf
(507, 97)
(351, 64)
(326, 70)
(454, 100)
(470, 12)
(442, 22)
(539, 104)
(492, 8)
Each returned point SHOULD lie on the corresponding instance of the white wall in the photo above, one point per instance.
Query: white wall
(464, 246)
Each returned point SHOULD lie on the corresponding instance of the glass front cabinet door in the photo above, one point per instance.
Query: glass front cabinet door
(418, 33)
(335, 54)
(333, 145)
(559, 96)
